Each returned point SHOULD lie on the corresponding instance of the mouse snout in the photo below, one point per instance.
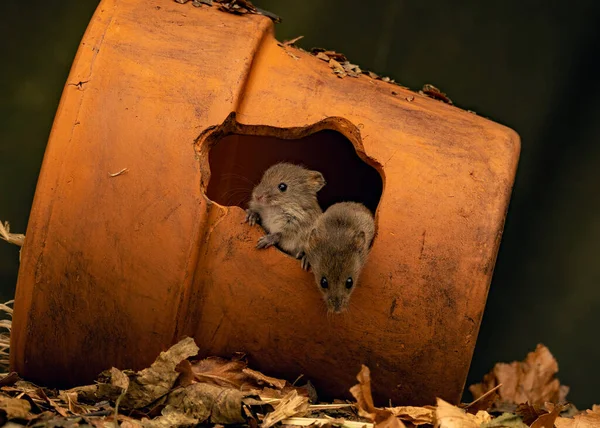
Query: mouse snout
(337, 304)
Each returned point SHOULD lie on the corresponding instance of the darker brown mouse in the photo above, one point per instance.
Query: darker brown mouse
(337, 249)
(285, 204)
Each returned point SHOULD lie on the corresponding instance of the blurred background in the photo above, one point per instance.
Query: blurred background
(532, 65)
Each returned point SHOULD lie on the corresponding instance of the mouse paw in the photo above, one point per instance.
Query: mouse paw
(300, 255)
(304, 263)
(252, 217)
(267, 241)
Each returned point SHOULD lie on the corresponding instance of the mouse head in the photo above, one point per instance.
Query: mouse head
(336, 263)
(285, 183)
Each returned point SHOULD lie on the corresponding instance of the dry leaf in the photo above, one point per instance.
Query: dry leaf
(415, 415)
(262, 379)
(337, 68)
(170, 418)
(587, 419)
(186, 376)
(336, 55)
(11, 238)
(547, 420)
(205, 402)
(9, 379)
(529, 413)
(366, 407)
(449, 416)
(362, 394)
(529, 381)
(434, 92)
(290, 406)
(150, 384)
(506, 420)
(59, 409)
(322, 56)
(14, 408)
(484, 402)
(221, 372)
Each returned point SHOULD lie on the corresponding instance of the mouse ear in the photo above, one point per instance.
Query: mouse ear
(313, 238)
(359, 240)
(316, 180)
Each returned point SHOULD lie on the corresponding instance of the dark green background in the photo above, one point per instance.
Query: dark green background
(532, 65)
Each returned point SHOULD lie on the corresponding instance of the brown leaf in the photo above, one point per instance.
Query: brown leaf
(506, 420)
(336, 55)
(362, 394)
(186, 377)
(262, 379)
(414, 415)
(291, 405)
(337, 68)
(71, 398)
(449, 416)
(390, 422)
(529, 413)
(170, 417)
(9, 379)
(434, 92)
(586, 419)
(484, 402)
(150, 384)
(322, 56)
(221, 372)
(96, 393)
(14, 408)
(204, 402)
(529, 381)
(366, 407)
(60, 410)
(547, 420)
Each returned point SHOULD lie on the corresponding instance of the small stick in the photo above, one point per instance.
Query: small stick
(321, 421)
(123, 171)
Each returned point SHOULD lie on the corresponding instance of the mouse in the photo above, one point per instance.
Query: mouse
(337, 249)
(285, 204)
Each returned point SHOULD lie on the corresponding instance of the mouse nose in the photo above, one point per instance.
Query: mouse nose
(260, 197)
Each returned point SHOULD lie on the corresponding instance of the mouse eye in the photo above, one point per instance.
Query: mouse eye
(282, 187)
(324, 283)
(349, 283)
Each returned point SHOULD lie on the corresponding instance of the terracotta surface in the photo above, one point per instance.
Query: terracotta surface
(116, 269)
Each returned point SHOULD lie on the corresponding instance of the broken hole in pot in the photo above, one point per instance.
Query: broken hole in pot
(237, 163)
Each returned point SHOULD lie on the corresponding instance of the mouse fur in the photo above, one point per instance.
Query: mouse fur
(337, 249)
(285, 204)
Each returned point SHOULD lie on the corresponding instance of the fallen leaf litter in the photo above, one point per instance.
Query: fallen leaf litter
(178, 390)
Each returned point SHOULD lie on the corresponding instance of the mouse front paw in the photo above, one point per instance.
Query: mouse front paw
(252, 217)
(304, 263)
(267, 241)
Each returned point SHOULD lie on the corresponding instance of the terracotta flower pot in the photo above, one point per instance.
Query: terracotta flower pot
(195, 103)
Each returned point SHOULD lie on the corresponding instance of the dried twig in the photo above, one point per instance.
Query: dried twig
(11, 238)
(123, 171)
(303, 422)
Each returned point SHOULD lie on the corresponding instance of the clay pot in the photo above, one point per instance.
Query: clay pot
(196, 103)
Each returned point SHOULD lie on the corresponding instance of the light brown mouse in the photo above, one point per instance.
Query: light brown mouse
(337, 249)
(285, 204)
